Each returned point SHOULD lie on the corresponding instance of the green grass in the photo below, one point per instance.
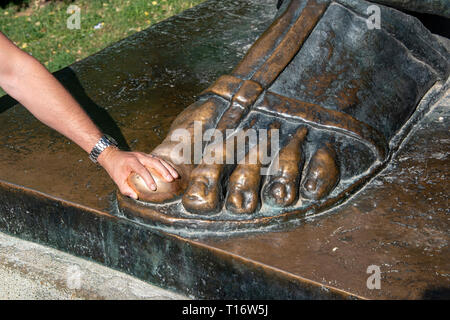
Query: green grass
(41, 29)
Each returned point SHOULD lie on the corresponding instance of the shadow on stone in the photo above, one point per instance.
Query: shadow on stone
(440, 293)
(436, 24)
(6, 102)
(100, 116)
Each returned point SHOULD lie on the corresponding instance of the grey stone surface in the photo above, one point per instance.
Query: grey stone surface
(31, 271)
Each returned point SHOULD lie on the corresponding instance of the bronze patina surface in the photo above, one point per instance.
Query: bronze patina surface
(357, 91)
(51, 193)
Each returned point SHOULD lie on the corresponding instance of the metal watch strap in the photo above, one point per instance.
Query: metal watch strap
(104, 142)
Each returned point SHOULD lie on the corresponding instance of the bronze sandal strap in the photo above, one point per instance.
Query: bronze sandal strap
(237, 91)
(268, 57)
(269, 42)
(291, 43)
(266, 60)
(241, 95)
(323, 118)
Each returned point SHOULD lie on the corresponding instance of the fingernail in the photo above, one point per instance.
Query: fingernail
(133, 196)
(169, 177)
(153, 187)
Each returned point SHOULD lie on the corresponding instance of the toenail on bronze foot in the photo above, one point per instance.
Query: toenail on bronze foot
(322, 174)
(281, 188)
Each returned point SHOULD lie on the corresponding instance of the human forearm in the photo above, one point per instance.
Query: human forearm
(26, 80)
(36, 89)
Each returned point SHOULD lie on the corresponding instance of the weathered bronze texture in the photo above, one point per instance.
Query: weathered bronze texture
(335, 81)
(52, 194)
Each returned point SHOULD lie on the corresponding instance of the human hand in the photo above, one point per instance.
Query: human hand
(120, 164)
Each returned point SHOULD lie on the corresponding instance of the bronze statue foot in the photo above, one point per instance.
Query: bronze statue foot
(344, 97)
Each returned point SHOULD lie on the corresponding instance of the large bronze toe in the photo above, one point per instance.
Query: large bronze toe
(203, 194)
(322, 174)
(281, 188)
(165, 191)
(243, 196)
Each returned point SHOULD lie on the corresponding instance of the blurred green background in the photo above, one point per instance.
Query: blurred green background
(39, 27)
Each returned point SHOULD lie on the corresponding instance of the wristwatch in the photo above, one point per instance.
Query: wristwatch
(104, 142)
